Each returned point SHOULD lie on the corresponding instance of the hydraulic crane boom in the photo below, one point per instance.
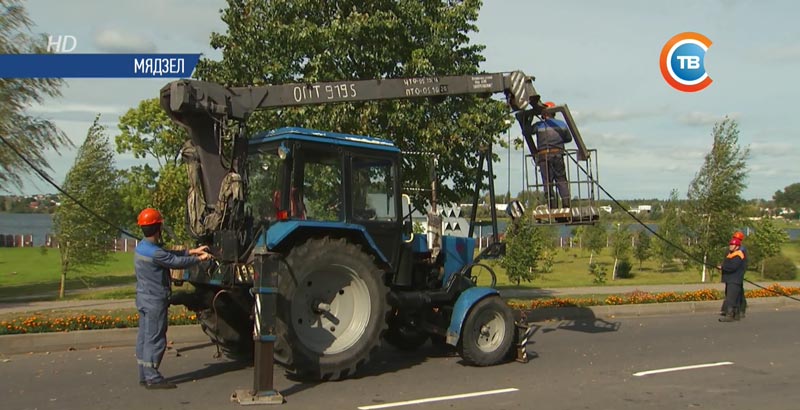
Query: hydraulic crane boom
(237, 103)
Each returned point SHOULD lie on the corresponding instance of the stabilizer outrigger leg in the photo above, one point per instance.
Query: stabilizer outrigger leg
(265, 291)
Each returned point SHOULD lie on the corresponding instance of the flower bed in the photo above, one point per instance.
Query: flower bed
(41, 324)
(640, 297)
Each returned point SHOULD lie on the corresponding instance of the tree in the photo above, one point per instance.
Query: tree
(620, 246)
(524, 245)
(148, 132)
(283, 41)
(766, 242)
(715, 201)
(594, 238)
(84, 239)
(642, 249)
(29, 135)
(789, 198)
(670, 230)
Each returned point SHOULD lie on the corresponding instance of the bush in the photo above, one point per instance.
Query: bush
(779, 267)
(599, 273)
(624, 268)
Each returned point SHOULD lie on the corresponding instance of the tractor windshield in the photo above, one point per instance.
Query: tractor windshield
(373, 190)
(320, 186)
(264, 175)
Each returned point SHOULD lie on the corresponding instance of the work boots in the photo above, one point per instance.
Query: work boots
(730, 316)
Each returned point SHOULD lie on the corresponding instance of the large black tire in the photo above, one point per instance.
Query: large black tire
(488, 333)
(404, 335)
(332, 310)
(229, 326)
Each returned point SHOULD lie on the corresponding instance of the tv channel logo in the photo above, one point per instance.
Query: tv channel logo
(682, 62)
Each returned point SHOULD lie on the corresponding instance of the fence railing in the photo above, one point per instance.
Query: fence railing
(50, 241)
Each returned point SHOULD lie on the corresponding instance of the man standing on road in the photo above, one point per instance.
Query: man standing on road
(742, 303)
(733, 276)
(153, 290)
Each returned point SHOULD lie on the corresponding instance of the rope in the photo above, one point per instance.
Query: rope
(670, 243)
(51, 182)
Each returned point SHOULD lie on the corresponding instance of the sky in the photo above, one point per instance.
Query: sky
(599, 58)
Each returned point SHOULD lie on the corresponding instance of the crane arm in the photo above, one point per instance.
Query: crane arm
(184, 97)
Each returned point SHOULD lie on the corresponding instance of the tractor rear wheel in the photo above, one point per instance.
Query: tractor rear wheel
(332, 309)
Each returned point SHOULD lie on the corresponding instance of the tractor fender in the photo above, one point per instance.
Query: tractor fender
(464, 304)
(278, 233)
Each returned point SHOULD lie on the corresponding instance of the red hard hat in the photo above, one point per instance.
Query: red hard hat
(550, 104)
(149, 216)
(735, 241)
(739, 235)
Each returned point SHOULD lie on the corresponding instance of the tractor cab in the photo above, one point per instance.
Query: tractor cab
(312, 180)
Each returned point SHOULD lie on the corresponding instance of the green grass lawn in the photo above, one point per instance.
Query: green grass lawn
(29, 271)
(792, 251)
(571, 269)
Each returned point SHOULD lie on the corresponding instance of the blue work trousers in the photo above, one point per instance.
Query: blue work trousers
(151, 342)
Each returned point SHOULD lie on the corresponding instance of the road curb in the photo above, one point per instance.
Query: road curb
(90, 339)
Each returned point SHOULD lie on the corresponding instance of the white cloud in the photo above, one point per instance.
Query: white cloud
(119, 41)
(773, 150)
(59, 108)
(779, 53)
(703, 119)
(611, 115)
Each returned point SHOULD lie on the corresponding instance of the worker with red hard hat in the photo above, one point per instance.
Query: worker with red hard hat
(153, 289)
(733, 268)
(551, 135)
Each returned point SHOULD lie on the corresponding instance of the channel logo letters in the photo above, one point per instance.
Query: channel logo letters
(682, 62)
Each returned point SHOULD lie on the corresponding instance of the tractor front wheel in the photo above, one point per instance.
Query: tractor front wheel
(488, 333)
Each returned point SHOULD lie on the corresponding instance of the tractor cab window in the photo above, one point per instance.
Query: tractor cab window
(321, 186)
(264, 173)
(373, 195)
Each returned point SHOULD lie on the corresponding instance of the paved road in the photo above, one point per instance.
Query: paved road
(584, 364)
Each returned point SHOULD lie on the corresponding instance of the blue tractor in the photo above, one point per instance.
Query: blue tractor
(331, 209)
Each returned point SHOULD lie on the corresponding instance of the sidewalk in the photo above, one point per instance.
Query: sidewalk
(611, 289)
(17, 306)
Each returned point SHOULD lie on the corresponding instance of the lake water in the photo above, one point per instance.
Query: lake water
(39, 225)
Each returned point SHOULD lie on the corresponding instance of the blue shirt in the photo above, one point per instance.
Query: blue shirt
(152, 265)
(551, 133)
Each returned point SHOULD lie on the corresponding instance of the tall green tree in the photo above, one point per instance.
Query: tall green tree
(595, 238)
(670, 230)
(642, 251)
(29, 135)
(83, 239)
(620, 246)
(715, 193)
(525, 243)
(148, 133)
(282, 41)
